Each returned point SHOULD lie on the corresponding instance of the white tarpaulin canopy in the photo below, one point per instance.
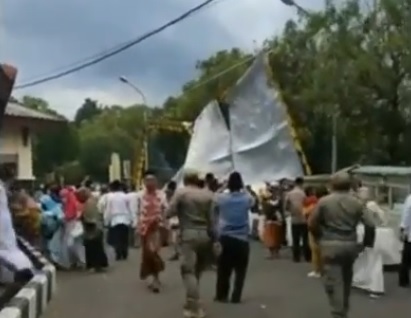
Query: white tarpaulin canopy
(209, 148)
(259, 143)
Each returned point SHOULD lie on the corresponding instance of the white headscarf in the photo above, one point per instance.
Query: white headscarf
(376, 211)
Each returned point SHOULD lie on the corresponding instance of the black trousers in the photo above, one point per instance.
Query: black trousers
(405, 266)
(96, 257)
(118, 238)
(234, 258)
(299, 233)
(284, 230)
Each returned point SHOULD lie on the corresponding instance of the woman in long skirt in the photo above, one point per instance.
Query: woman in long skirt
(151, 209)
(95, 254)
(272, 234)
(152, 264)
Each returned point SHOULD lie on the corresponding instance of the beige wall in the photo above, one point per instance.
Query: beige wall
(11, 143)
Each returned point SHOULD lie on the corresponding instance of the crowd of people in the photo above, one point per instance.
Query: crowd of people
(208, 224)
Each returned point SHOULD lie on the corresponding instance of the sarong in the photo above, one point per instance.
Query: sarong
(95, 253)
(151, 261)
(272, 234)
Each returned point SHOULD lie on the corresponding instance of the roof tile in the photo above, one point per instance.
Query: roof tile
(16, 110)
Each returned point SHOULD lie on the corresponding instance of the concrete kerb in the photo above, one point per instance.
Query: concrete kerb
(32, 300)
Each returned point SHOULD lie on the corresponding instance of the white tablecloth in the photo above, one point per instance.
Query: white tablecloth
(369, 271)
(387, 243)
(386, 240)
(369, 266)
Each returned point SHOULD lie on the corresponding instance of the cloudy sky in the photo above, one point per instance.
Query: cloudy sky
(44, 36)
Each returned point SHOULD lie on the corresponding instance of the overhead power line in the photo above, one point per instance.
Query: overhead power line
(228, 70)
(86, 59)
(117, 50)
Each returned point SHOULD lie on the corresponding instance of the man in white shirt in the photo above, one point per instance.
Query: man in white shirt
(102, 199)
(119, 219)
(404, 270)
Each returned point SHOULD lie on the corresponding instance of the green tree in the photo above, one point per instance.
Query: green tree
(87, 111)
(53, 147)
(99, 138)
(351, 60)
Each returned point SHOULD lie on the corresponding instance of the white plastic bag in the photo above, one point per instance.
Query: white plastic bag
(77, 229)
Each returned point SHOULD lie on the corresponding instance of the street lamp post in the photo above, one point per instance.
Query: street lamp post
(134, 87)
(145, 115)
(139, 92)
(334, 140)
(292, 3)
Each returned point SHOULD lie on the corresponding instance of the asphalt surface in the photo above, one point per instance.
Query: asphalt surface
(274, 288)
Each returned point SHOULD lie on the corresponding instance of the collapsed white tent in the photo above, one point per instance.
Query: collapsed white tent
(209, 149)
(259, 143)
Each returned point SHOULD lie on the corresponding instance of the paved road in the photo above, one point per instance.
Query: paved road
(274, 289)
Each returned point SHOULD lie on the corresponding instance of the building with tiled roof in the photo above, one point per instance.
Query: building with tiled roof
(18, 127)
(17, 110)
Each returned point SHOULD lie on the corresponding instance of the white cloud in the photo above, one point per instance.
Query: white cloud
(241, 23)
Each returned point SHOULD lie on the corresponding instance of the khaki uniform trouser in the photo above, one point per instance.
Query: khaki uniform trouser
(338, 259)
(195, 246)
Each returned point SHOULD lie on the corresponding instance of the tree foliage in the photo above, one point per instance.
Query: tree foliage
(351, 60)
(87, 111)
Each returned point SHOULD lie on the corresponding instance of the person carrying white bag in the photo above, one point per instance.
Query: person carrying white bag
(369, 266)
(73, 231)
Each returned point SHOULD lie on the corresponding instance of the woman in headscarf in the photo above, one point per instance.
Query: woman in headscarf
(73, 226)
(151, 209)
(26, 215)
(271, 207)
(52, 227)
(369, 266)
(96, 257)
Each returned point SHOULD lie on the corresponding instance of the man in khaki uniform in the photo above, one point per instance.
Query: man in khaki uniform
(194, 208)
(334, 224)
